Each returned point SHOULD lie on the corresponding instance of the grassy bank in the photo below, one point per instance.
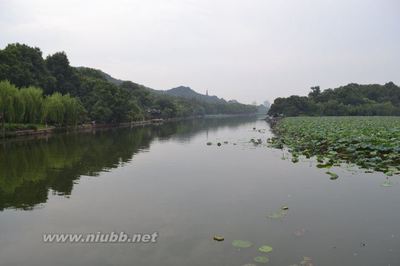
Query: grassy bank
(16, 127)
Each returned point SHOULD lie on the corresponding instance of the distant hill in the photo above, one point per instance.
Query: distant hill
(188, 93)
(181, 91)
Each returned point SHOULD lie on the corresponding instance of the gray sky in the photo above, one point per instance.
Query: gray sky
(246, 50)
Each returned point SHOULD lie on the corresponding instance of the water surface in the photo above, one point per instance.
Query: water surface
(166, 179)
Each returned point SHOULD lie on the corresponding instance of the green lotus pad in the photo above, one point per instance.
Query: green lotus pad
(261, 259)
(278, 215)
(333, 175)
(265, 249)
(387, 183)
(371, 143)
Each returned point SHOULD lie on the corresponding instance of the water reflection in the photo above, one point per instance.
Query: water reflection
(29, 169)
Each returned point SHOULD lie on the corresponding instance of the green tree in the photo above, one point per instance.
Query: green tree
(8, 93)
(24, 66)
(19, 108)
(54, 109)
(67, 81)
(73, 110)
(32, 99)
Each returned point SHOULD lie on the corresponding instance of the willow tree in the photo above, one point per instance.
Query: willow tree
(62, 110)
(7, 94)
(53, 109)
(73, 110)
(32, 99)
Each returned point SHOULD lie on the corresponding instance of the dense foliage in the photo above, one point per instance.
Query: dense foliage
(370, 142)
(29, 106)
(352, 99)
(105, 99)
(24, 66)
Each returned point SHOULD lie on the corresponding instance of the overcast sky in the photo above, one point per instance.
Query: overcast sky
(249, 50)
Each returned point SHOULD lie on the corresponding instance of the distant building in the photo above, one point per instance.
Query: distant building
(154, 113)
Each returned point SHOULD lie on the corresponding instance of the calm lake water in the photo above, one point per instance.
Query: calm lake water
(166, 179)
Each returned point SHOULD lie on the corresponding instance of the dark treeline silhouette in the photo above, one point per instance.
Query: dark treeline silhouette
(350, 100)
(103, 98)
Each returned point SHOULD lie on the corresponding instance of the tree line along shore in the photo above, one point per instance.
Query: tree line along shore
(37, 92)
(349, 100)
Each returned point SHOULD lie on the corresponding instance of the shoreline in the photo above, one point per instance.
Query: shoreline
(272, 121)
(93, 127)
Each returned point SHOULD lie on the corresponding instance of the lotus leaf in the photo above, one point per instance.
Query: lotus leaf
(261, 259)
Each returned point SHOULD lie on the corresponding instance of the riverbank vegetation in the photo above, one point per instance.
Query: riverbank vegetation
(28, 106)
(350, 100)
(372, 143)
(39, 90)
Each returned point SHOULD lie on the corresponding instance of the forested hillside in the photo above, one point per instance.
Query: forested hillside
(188, 93)
(96, 95)
(352, 99)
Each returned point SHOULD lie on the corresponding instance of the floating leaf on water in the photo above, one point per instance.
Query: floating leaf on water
(333, 176)
(325, 165)
(218, 238)
(241, 244)
(387, 183)
(261, 259)
(278, 215)
(265, 249)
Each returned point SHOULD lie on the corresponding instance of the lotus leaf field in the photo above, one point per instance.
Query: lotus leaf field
(372, 143)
